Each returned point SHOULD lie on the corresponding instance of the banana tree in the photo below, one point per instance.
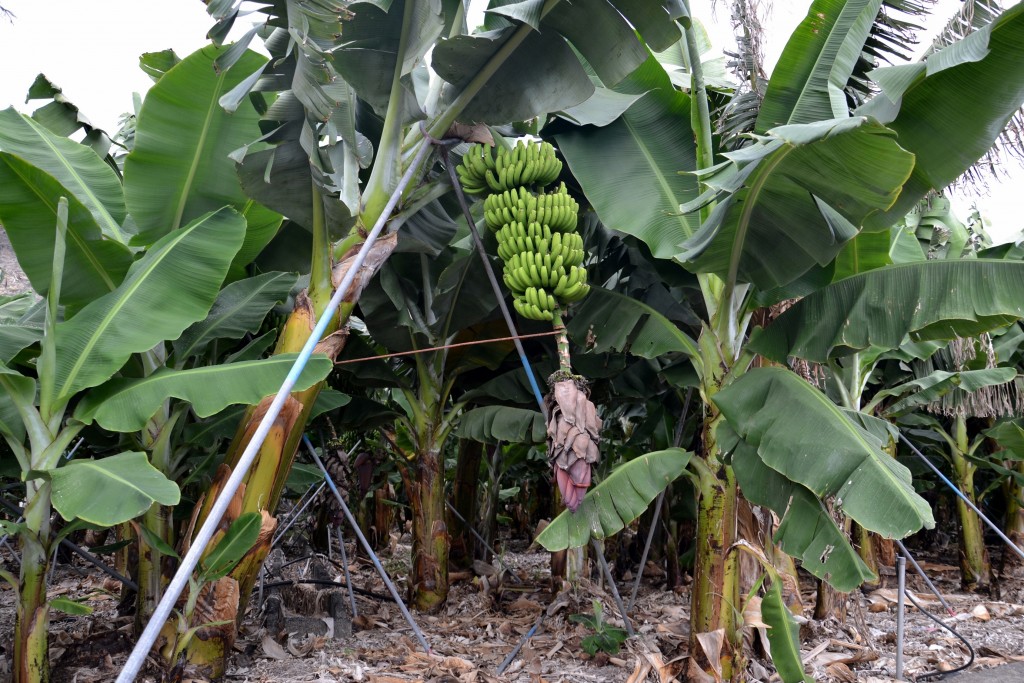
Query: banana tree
(404, 313)
(767, 223)
(351, 90)
(136, 279)
(957, 396)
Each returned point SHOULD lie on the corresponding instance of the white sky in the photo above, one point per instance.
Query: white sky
(90, 48)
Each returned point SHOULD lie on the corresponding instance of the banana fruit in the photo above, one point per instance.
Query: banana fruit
(536, 230)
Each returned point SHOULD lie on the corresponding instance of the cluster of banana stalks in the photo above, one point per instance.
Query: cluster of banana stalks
(536, 231)
(543, 258)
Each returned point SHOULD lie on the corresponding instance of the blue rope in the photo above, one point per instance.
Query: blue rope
(530, 375)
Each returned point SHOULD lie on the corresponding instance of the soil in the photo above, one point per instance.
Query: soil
(12, 278)
(488, 613)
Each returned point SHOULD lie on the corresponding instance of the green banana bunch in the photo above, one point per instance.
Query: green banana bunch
(557, 210)
(525, 164)
(536, 232)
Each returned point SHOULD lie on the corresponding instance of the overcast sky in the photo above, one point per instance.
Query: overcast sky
(91, 49)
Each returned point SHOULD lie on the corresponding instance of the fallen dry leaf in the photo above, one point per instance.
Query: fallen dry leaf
(273, 650)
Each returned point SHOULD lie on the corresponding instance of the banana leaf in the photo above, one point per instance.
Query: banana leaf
(617, 501)
(951, 108)
(125, 404)
(925, 301)
(651, 144)
(808, 83)
(806, 529)
(93, 265)
(76, 167)
(791, 201)
(800, 434)
(167, 290)
(111, 490)
(240, 309)
(491, 424)
(179, 168)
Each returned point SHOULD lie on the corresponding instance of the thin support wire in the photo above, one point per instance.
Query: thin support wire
(611, 584)
(522, 641)
(538, 394)
(495, 553)
(206, 532)
(369, 549)
(956, 489)
(298, 512)
(920, 572)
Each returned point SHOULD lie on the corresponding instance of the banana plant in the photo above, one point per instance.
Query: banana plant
(766, 223)
(354, 104)
(135, 284)
(404, 314)
(958, 382)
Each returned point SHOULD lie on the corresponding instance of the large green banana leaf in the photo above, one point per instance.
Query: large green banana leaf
(239, 310)
(867, 251)
(519, 90)
(76, 167)
(490, 424)
(798, 432)
(793, 199)
(165, 291)
(111, 490)
(951, 108)
(784, 636)
(630, 169)
(179, 168)
(1009, 435)
(616, 322)
(925, 300)
(125, 404)
(806, 529)
(809, 81)
(593, 26)
(617, 501)
(93, 266)
(19, 393)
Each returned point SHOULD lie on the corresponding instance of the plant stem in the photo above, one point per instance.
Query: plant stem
(975, 567)
(32, 620)
(715, 591)
(442, 123)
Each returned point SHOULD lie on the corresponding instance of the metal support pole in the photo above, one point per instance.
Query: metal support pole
(369, 549)
(205, 533)
(956, 489)
(348, 577)
(647, 548)
(920, 572)
(901, 574)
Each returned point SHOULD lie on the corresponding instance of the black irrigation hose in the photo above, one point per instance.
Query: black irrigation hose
(325, 582)
(942, 674)
(85, 555)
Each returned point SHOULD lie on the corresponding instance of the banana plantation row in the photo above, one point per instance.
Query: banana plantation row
(749, 287)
